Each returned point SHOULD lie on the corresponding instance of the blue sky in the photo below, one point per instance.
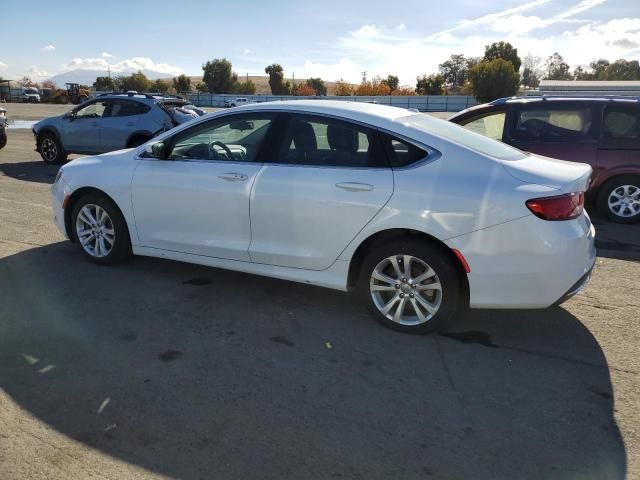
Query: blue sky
(331, 39)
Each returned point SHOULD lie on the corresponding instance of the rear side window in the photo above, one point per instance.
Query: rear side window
(553, 124)
(321, 141)
(491, 125)
(401, 153)
(621, 127)
(125, 108)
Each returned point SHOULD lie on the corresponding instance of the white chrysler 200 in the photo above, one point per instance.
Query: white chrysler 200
(419, 216)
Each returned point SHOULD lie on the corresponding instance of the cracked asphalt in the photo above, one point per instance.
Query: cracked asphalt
(156, 369)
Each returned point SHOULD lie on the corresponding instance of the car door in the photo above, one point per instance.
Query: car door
(119, 122)
(195, 198)
(329, 179)
(619, 151)
(81, 128)
(564, 130)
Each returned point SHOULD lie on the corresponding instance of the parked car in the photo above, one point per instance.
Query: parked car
(417, 215)
(29, 95)
(239, 101)
(3, 127)
(603, 132)
(109, 122)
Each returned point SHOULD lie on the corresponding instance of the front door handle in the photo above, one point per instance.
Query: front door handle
(233, 177)
(355, 187)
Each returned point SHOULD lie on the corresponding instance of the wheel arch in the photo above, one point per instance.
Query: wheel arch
(73, 200)
(50, 129)
(138, 134)
(392, 234)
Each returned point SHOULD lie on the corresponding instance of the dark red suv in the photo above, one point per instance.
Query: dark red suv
(603, 132)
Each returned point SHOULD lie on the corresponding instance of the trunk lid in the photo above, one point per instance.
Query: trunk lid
(568, 177)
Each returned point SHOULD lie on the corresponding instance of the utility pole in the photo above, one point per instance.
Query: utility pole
(364, 76)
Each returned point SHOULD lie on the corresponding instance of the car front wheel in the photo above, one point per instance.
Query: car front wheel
(50, 149)
(100, 230)
(410, 286)
(619, 199)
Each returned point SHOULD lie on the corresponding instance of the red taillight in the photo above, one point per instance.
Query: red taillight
(561, 207)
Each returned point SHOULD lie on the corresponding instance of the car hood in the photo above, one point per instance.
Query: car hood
(567, 177)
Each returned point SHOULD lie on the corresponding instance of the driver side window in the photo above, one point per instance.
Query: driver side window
(235, 138)
(94, 110)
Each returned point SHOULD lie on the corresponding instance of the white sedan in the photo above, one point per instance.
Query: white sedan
(419, 216)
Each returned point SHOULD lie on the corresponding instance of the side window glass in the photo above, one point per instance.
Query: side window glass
(319, 141)
(491, 126)
(400, 153)
(559, 125)
(95, 110)
(235, 138)
(124, 108)
(621, 127)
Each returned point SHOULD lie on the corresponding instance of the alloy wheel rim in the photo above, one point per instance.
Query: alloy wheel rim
(49, 149)
(95, 231)
(624, 201)
(406, 290)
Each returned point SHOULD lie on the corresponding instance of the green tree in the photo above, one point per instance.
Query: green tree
(182, 83)
(494, 79)
(218, 75)
(579, 73)
(104, 84)
(392, 82)
(136, 81)
(531, 71)
(599, 68)
(245, 88)
(502, 50)
(429, 85)
(454, 70)
(202, 87)
(318, 85)
(557, 68)
(160, 86)
(276, 80)
(623, 70)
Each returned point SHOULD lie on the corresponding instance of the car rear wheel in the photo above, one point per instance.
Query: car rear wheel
(50, 149)
(100, 230)
(619, 199)
(3, 138)
(410, 286)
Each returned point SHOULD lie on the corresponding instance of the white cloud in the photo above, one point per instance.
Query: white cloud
(366, 31)
(127, 65)
(48, 48)
(402, 27)
(36, 73)
(344, 68)
(246, 51)
(106, 55)
(3, 66)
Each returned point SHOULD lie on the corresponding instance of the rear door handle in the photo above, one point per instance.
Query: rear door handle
(355, 187)
(233, 177)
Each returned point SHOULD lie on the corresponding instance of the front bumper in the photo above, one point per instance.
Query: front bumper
(59, 192)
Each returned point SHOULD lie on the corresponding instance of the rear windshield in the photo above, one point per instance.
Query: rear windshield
(461, 136)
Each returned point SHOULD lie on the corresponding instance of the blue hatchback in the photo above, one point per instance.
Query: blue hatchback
(109, 122)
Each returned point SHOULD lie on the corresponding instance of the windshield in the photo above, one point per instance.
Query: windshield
(461, 136)
(30, 90)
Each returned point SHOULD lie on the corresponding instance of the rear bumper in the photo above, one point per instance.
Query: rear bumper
(577, 288)
(528, 263)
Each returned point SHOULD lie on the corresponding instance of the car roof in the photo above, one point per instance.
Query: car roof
(336, 107)
(558, 98)
(142, 97)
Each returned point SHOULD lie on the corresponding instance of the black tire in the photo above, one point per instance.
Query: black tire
(3, 139)
(121, 247)
(431, 255)
(51, 149)
(609, 188)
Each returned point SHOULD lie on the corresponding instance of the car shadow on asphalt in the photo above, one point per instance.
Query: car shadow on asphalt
(38, 172)
(195, 372)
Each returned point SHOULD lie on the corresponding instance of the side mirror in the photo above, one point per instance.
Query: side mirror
(155, 150)
(70, 115)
